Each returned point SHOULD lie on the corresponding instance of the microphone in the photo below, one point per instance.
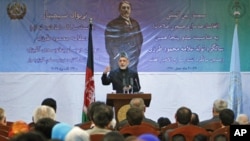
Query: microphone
(124, 85)
(132, 85)
(137, 85)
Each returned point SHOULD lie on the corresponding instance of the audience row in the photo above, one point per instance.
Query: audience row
(135, 127)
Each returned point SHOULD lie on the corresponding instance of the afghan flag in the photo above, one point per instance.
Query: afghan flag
(89, 92)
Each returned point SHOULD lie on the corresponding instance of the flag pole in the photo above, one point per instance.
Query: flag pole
(89, 92)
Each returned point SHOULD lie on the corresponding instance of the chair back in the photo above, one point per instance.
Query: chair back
(137, 130)
(86, 125)
(189, 132)
(170, 126)
(4, 133)
(4, 127)
(96, 137)
(3, 138)
(212, 126)
(221, 134)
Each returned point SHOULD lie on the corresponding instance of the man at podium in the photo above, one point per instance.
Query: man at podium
(123, 79)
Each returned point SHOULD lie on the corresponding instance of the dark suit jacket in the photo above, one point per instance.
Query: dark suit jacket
(119, 78)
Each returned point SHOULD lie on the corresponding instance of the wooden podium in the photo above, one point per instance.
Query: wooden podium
(120, 102)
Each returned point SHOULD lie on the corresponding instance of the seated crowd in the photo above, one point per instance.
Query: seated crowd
(135, 127)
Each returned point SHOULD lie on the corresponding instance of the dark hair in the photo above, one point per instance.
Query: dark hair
(122, 2)
(183, 115)
(113, 136)
(44, 126)
(163, 121)
(103, 115)
(92, 107)
(226, 117)
(50, 102)
(134, 116)
(195, 119)
(29, 136)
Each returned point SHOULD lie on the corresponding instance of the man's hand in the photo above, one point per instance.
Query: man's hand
(107, 69)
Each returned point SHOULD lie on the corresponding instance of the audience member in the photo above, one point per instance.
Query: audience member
(226, 117)
(113, 136)
(42, 112)
(77, 134)
(131, 138)
(102, 117)
(138, 103)
(163, 121)
(44, 126)
(60, 130)
(2, 117)
(218, 106)
(148, 137)
(18, 127)
(242, 119)
(50, 102)
(134, 117)
(195, 119)
(183, 118)
(29, 136)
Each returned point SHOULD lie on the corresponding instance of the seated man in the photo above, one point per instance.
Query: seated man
(134, 117)
(218, 106)
(185, 128)
(102, 117)
(242, 119)
(2, 117)
(138, 103)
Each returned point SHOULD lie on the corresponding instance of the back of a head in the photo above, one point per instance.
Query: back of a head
(102, 116)
(200, 137)
(195, 119)
(148, 137)
(77, 134)
(113, 136)
(60, 130)
(219, 105)
(226, 117)
(134, 116)
(92, 107)
(137, 103)
(50, 102)
(242, 119)
(42, 112)
(2, 117)
(29, 136)
(45, 126)
(183, 115)
(163, 121)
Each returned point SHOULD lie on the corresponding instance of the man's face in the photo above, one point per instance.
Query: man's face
(123, 63)
(125, 10)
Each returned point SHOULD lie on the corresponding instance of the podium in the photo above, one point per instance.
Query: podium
(120, 102)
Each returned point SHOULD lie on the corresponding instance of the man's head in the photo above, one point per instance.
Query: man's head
(102, 116)
(42, 112)
(219, 105)
(125, 9)
(183, 115)
(123, 61)
(242, 119)
(49, 102)
(2, 117)
(226, 117)
(134, 116)
(138, 103)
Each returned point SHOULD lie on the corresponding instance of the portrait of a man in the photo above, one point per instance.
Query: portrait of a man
(123, 34)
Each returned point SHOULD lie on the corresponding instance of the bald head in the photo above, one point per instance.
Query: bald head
(137, 103)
